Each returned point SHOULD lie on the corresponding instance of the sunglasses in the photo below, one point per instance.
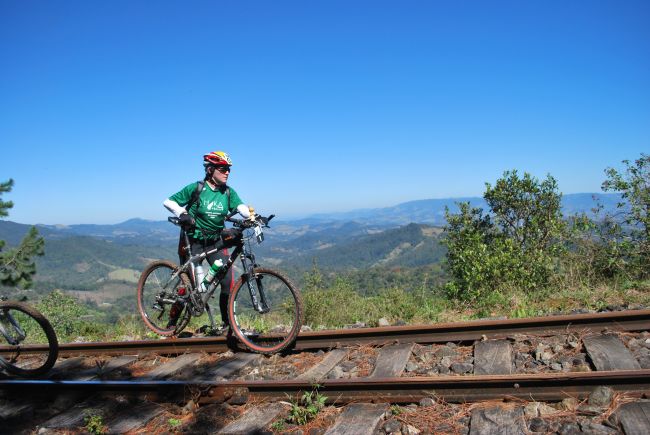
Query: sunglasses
(223, 169)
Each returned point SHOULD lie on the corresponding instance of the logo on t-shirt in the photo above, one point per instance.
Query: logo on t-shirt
(214, 205)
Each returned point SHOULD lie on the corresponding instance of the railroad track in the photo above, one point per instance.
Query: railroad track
(446, 366)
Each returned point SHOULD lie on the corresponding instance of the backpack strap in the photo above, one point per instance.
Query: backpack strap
(182, 254)
(195, 195)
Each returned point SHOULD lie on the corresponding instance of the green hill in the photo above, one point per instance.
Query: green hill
(408, 246)
(87, 262)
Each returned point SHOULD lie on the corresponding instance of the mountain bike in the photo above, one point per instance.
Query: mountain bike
(264, 307)
(26, 333)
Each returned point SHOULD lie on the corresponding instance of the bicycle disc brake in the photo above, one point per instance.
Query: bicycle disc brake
(195, 304)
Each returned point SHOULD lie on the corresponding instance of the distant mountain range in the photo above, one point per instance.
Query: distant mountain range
(362, 221)
(432, 211)
(106, 257)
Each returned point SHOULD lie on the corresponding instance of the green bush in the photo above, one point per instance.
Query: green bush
(613, 246)
(628, 235)
(67, 316)
(514, 246)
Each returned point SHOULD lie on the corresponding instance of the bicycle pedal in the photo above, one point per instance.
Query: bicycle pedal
(203, 329)
(157, 307)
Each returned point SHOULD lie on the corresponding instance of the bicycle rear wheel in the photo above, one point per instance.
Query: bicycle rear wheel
(157, 293)
(29, 344)
(273, 330)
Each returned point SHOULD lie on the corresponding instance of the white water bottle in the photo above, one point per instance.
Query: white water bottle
(212, 272)
(199, 274)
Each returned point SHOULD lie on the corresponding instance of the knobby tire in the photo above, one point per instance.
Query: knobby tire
(271, 342)
(149, 285)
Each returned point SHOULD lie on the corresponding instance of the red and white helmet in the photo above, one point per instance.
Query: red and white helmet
(217, 158)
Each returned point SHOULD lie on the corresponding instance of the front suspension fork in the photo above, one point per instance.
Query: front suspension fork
(256, 290)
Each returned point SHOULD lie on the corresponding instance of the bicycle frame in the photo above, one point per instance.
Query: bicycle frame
(199, 300)
(4, 314)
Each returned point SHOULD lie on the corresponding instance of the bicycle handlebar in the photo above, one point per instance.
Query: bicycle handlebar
(248, 223)
(242, 223)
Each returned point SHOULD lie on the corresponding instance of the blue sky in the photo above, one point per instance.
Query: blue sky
(106, 107)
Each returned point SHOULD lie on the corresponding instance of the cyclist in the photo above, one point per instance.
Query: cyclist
(205, 216)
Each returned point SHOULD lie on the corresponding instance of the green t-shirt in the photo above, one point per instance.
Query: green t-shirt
(210, 210)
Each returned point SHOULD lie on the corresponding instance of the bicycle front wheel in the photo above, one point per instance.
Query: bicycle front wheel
(157, 294)
(29, 344)
(275, 322)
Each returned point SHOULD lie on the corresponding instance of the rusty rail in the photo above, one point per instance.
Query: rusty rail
(476, 330)
(449, 388)
(454, 389)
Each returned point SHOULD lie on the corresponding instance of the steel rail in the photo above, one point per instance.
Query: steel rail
(623, 321)
(454, 389)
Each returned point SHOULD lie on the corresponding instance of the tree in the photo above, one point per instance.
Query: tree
(17, 265)
(526, 210)
(631, 239)
(513, 246)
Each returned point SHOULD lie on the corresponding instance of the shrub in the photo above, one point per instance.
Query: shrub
(628, 235)
(515, 246)
(65, 313)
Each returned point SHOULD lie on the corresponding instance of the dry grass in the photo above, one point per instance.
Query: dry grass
(144, 366)
(441, 417)
(305, 361)
(363, 355)
(618, 400)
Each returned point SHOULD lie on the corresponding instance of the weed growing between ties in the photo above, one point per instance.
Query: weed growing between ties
(302, 411)
(174, 424)
(95, 424)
